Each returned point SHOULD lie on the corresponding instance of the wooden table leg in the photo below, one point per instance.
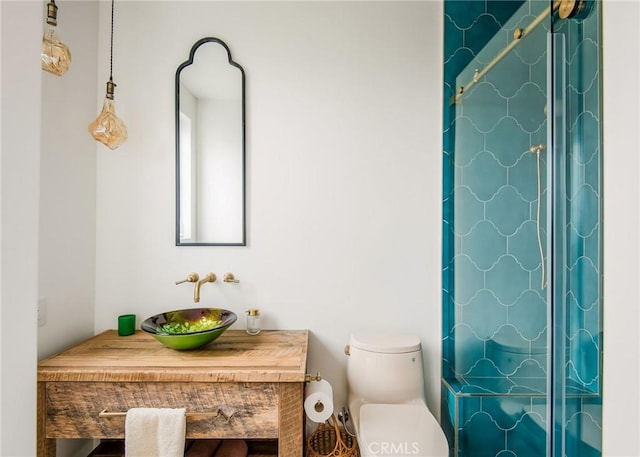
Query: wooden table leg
(45, 447)
(291, 419)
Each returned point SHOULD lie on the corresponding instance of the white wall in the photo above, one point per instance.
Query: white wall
(19, 159)
(621, 410)
(67, 186)
(344, 170)
(1, 212)
(66, 261)
(47, 208)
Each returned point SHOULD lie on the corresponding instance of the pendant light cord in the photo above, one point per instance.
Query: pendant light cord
(111, 50)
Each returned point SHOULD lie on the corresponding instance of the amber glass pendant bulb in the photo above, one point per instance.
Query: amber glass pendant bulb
(56, 56)
(107, 128)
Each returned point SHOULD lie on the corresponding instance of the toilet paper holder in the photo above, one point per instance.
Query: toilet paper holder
(318, 407)
(309, 378)
(318, 400)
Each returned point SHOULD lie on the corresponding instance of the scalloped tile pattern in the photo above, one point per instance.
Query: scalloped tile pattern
(495, 313)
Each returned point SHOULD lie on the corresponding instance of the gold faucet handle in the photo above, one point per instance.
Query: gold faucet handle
(209, 277)
(192, 277)
(229, 277)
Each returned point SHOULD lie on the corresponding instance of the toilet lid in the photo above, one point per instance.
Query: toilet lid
(399, 431)
(387, 343)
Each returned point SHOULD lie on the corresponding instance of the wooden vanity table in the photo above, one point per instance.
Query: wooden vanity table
(239, 386)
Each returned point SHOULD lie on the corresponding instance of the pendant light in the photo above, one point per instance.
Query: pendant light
(107, 128)
(55, 55)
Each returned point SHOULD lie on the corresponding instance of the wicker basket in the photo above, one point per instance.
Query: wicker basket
(331, 441)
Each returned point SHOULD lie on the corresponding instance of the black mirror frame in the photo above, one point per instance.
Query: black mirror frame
(184, 64)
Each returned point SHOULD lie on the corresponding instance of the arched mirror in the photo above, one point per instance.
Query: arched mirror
(210, 148)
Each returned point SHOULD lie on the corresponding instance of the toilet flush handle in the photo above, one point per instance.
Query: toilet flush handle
(347, 350)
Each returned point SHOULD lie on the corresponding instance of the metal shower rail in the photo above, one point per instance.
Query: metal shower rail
(518, 35)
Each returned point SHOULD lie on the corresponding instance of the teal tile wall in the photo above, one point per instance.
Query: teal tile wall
(492, 272)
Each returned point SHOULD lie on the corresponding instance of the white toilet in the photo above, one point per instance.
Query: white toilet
(386, 397)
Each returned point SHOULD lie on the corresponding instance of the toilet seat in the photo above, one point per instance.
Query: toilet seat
(400, 430)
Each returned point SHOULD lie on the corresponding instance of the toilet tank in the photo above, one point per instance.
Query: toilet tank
(385, 368)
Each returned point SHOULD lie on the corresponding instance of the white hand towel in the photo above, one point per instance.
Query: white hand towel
(155, 432)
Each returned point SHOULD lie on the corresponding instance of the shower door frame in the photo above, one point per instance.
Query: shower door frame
(556, 244)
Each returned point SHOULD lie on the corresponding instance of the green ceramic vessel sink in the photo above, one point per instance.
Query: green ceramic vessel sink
(189, 328)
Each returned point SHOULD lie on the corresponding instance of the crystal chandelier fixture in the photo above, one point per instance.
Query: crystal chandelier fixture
(56, 56)
(107, 128)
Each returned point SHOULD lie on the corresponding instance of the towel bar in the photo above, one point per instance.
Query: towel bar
(106, 413)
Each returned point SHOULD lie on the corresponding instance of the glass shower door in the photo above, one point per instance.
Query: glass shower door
(515, 277)
(576, 306)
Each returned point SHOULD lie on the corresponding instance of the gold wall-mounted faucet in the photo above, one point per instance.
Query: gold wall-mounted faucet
(210, 277)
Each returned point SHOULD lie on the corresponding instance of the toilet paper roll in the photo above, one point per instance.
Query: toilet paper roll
(318, 403)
